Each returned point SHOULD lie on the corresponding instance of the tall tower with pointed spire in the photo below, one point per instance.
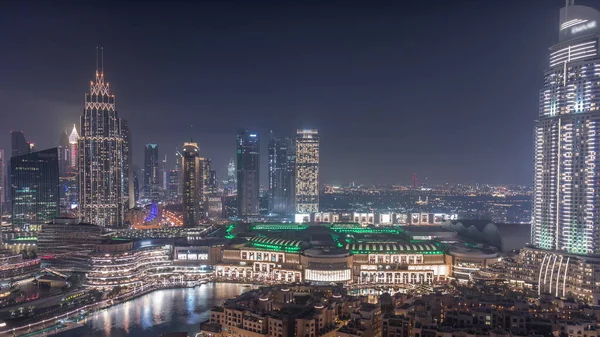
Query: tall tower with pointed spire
(101, 179)
(73, 140)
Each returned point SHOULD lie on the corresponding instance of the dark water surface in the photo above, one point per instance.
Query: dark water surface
(159, 312)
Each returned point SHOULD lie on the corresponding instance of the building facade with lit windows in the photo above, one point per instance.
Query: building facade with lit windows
(14, 268)
(101, 160)
(288, 253)
(566, 209)
(129, 190)
(307, 171)
(151, 172)
(35, 189)
(117, 263)
(565, 227)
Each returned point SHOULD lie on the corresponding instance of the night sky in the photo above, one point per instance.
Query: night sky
(446, 89)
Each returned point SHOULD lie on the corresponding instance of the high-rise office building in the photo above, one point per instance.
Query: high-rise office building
(73, 139)
(136, 183)
(231, 173)
(248, 182)
(163, 180)
(192, 182)
(307, 171)
(230, 185)
(290, 176)
(151, 171)
(129, 194)
(64, 153)
(212, 182)
(67, 177)
(566, 207)
(281, 176)
(35, 189)
(205, 169)
(19, 144)
(101, 185)
(173, 185)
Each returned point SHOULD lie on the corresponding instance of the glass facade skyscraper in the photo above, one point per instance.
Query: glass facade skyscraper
(248, 178)
(101, 160)
(192, 182)
(307, 171)
(35, 189)
(566, 206)
(281, 176)
(151, 172)
(129, 195)
(67, 176)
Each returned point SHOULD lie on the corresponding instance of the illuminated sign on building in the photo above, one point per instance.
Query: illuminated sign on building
(192, 256)
(583, 27)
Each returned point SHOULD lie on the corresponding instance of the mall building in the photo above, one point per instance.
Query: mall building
(325, 254)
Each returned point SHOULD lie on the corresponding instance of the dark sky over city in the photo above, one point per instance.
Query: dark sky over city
(446, 89)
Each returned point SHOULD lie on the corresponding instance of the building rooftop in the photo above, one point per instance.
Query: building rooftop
(363, 248)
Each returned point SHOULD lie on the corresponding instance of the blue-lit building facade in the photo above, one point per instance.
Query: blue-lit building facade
(34, 189)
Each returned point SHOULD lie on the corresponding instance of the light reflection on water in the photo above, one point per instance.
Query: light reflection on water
(159, 312)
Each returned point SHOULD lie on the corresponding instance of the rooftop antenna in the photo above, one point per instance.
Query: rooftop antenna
(96, 59)
(102, 59)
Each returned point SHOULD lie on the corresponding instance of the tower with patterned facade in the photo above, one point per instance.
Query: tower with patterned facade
(101, 160)
(566, 206)
(307, 171)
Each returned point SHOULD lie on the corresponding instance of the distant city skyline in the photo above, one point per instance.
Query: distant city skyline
(209, 69)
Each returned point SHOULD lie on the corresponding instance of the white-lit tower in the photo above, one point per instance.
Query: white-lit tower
(307, 171)
(100, 146)
(566, 187)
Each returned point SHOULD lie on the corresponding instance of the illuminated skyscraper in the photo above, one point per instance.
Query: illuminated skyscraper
(281, 176)
(248, 183)
(173, 185)
(67, 177)
(64, 153)
(101, 185)
(35, 189)
(151, 173)
(129, 194)
(566, 206)
(163, 179)
(307, 171)
(231, 183)
(73, 140)
(192, 181)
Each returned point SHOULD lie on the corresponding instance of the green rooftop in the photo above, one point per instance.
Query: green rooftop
(278, 227)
